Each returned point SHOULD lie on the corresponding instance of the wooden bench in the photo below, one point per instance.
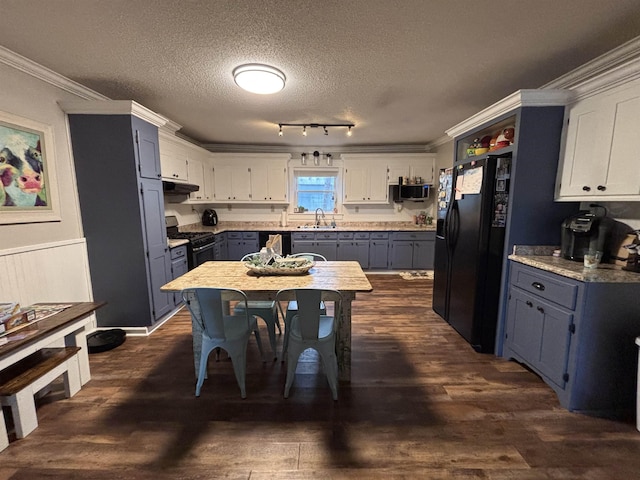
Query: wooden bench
(22, 380)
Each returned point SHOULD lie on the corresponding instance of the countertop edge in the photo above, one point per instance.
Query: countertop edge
(605, 273)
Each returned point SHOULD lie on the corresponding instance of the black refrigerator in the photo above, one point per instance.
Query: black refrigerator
(472, 204)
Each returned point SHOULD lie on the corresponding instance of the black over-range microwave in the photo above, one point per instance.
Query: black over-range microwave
(416, 193)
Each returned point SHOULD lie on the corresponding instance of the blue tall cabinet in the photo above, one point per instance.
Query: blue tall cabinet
(117, 164)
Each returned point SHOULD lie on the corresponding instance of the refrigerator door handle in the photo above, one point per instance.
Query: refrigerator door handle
(452, 224)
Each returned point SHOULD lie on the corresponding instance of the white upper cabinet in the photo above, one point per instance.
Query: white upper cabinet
(248, 177)
(365, 180)
(269, 180)
(411, 165)
(601, 156)
(173, 159)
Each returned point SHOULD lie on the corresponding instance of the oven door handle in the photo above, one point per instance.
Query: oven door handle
(204, 247)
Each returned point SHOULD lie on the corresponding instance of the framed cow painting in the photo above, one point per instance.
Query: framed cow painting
(28, 189)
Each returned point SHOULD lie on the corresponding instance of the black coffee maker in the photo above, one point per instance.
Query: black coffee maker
(584, 231)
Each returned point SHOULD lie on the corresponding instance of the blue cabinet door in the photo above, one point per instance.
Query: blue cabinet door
(401, 254)
(147, 149)
(157, 250)
(379, 253)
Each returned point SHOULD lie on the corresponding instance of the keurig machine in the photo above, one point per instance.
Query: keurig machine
(585, 231)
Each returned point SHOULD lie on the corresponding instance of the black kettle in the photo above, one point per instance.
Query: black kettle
(210, 218)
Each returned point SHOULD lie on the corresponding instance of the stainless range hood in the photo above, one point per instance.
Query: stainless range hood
(175, 188)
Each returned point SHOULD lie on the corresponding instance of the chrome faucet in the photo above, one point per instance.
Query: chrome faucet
(317, 217)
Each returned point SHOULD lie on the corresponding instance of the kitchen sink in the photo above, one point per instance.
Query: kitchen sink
(316, 227)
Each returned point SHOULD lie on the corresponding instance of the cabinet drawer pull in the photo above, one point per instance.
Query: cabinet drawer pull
(602, 188)
(586, 188)
(538, 286)
(529, 304)
(541, 310)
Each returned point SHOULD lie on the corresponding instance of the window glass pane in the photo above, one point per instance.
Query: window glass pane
(316, 191)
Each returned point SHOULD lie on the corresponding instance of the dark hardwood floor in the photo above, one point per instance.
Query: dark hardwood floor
(421, 404)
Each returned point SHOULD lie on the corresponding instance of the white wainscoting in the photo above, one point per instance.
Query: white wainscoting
(50, 272)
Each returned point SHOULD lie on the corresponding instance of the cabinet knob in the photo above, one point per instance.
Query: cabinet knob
(529, 304)
(538, 286)
(586, 188)
(541, 310)
(602, 188)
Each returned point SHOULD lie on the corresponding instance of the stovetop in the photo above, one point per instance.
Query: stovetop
(196, 239)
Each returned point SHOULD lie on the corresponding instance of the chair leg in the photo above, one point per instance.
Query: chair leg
(256, 333)
(202, 372)
(292, 364)
(240, 369)
(330, 365)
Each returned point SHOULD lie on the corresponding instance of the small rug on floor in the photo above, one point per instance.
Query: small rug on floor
(417, 274)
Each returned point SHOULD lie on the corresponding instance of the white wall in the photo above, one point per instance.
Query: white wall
(44, 261)
(22, 94)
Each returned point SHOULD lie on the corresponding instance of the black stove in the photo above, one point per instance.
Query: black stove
(196, 239)
(201, 245)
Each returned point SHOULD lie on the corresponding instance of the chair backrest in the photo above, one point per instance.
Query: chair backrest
(309, 308)
(207, 306)
(310, 256)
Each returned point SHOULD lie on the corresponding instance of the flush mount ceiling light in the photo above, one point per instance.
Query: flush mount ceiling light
(324, 126)
(257, 78)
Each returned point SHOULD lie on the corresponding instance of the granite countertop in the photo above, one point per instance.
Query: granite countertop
(294, 227)
(173, 243)
(605, 273)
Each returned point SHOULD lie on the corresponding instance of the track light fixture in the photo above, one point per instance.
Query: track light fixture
(303, 159)
(324, 126)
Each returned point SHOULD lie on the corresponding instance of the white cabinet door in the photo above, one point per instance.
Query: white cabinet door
(196, 177)
(601, 159)
(397, 169)
(209, 185)
(269, 182)
(365, 182)
(173, 162)
(378, 184)
(355, 183)
(232, 182)
(424, 168)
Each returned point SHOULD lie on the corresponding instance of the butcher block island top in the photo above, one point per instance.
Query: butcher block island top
(342, 276)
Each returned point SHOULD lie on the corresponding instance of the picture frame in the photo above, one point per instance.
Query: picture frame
(28, 182)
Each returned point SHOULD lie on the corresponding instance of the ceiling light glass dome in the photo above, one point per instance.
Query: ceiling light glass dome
(257, 78)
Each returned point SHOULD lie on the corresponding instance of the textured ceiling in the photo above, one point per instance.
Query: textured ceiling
(403, 71)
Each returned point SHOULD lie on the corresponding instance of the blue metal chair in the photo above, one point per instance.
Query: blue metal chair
(292, 307)
(266, 310)
(229, 332)
(309, 328)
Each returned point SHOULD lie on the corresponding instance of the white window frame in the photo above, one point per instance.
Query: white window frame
(313, 171)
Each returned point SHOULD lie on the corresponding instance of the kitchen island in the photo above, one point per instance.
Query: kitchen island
(576, 328)
(346, 277)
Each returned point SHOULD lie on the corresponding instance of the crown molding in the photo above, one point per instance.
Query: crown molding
(244, 148)
(113, 107)
(36, 70)
(618, 66)
(438, 142)
(521, 98)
